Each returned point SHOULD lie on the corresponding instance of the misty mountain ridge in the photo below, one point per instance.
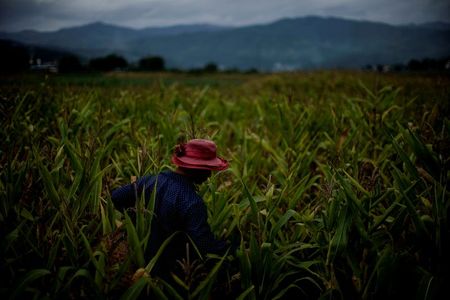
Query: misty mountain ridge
(111, 29)
(433, 25)
(291, 43)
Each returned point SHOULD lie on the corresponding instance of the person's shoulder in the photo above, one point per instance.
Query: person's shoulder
(174, 178)
(162, 176)
(182, 184)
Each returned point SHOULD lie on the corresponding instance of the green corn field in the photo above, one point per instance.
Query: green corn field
(338, 186)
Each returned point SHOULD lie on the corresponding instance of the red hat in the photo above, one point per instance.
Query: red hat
(198, 154)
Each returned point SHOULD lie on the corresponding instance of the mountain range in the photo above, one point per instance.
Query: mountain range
(295, 43)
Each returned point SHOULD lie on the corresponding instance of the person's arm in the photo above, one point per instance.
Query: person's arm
(198, 229)
(123, 197)
(126, 196)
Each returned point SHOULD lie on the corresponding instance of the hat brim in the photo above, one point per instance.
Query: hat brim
(216, 164)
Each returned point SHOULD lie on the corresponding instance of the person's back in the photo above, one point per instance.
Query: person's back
(178, 208)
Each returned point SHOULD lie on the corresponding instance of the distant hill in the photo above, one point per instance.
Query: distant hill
(436, 25)
(305, 43)
(181, 29)
(100, 37)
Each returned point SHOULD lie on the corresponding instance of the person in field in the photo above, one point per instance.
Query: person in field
(178, 208)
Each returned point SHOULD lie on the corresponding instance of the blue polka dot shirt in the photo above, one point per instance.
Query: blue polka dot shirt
(177, 208)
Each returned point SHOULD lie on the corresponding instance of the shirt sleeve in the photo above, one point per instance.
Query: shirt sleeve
(198, 229)
(123, 197)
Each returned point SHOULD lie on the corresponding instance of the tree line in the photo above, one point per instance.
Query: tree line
(414, 65)
(114, 62)
(111, 62)
(157, 64)
(17, 57)
(14, 57)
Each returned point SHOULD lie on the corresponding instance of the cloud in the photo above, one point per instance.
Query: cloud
(54, 14)
(394, 12)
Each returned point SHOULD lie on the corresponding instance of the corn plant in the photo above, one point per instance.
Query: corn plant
(338, 185)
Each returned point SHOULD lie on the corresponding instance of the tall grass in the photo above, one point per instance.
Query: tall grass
(338, 186)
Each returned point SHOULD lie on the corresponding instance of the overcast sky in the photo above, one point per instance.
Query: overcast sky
(54, 14)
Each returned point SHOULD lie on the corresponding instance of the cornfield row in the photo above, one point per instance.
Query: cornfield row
(338, 186)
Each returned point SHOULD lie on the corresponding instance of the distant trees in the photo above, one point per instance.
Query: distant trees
(108, 63)
(414, 65)
(17, 57)
(428, 64)
(210, 68)
(69, 64)
(152, 63)
(13, 57)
